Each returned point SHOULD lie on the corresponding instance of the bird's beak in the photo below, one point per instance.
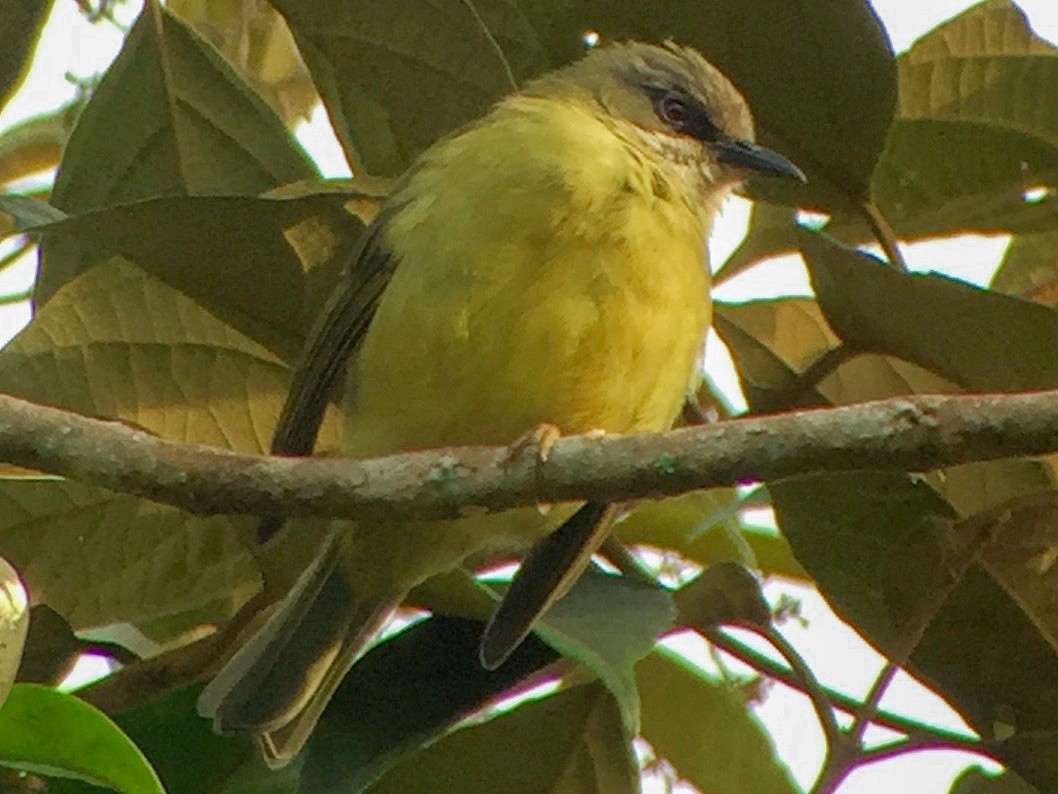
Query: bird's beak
(748, 156)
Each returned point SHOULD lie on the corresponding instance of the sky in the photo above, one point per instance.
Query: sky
(834, 651)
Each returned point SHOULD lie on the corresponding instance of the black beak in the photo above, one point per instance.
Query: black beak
(748, 156)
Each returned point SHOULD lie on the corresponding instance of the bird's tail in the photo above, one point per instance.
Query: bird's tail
(277, 685)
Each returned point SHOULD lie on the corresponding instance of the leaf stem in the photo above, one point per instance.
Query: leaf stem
(884, 234)
(921, 732)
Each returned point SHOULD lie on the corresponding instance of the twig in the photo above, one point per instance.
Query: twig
(794, 393)
(884, 234)
(921, 732)
(915, 433)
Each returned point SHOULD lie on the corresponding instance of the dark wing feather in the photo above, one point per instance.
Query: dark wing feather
(547, 572)
(337, 333)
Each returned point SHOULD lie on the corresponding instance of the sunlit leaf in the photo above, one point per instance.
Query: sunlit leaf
(52, 733)
(14, 624)
(1030, 268)
(772, 342)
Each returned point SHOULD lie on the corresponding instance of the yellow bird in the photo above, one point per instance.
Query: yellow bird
(544, 266)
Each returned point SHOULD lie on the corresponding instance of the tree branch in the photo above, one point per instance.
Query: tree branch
(915, 433)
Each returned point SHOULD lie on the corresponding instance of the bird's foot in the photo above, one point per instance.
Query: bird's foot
(538, 442)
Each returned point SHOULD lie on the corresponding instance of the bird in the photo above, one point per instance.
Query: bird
(544, 267)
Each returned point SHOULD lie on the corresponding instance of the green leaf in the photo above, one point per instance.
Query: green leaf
(99, 558)
(706, 730)
(117, 343)
(121, 344)
(847, 528)
(52, 733)
(569, 743)
(188, 125)
(976, 128)
(606, 623)
(395, 78)
(30, 213)
(235, 255)
(189, 757)
(368, 727)
(20, 27)
(701, 525)
(885, 548)
(979, 339)
(609, 623)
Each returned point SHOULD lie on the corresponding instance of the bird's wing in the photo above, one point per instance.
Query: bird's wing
(337, 333)
(547, 572)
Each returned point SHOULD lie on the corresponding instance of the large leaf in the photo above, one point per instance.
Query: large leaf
(570, 743)
(772, 342)
(188, 756)
(885, 547)
(99, 558)
(52, 733)
(705, 729)
(117, 343)
(976, 128)
(188, 125)
(887, 553)
(368, 727)
(395, 78)
(609, 623)
(392, 89)
(606, 623)
(237, 256)
(979, 339)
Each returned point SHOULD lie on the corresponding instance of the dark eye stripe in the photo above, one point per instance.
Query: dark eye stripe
(683, 114)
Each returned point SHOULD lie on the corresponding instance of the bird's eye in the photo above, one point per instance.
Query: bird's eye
(673, 110)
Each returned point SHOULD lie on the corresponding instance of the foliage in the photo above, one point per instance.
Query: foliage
(188, 239)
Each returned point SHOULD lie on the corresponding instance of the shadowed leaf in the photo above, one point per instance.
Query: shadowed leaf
(20, 27)
(705, 729)
(578, 747)
(188, 125)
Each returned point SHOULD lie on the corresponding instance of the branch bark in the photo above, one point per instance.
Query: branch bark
(914, 433)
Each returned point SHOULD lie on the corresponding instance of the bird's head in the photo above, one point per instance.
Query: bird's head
(678, 105)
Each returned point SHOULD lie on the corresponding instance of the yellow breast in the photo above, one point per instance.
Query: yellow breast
(564, 281)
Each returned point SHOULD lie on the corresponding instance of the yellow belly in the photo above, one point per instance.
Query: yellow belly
(568, 287)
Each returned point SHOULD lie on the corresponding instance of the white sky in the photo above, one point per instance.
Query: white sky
(839, 657)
